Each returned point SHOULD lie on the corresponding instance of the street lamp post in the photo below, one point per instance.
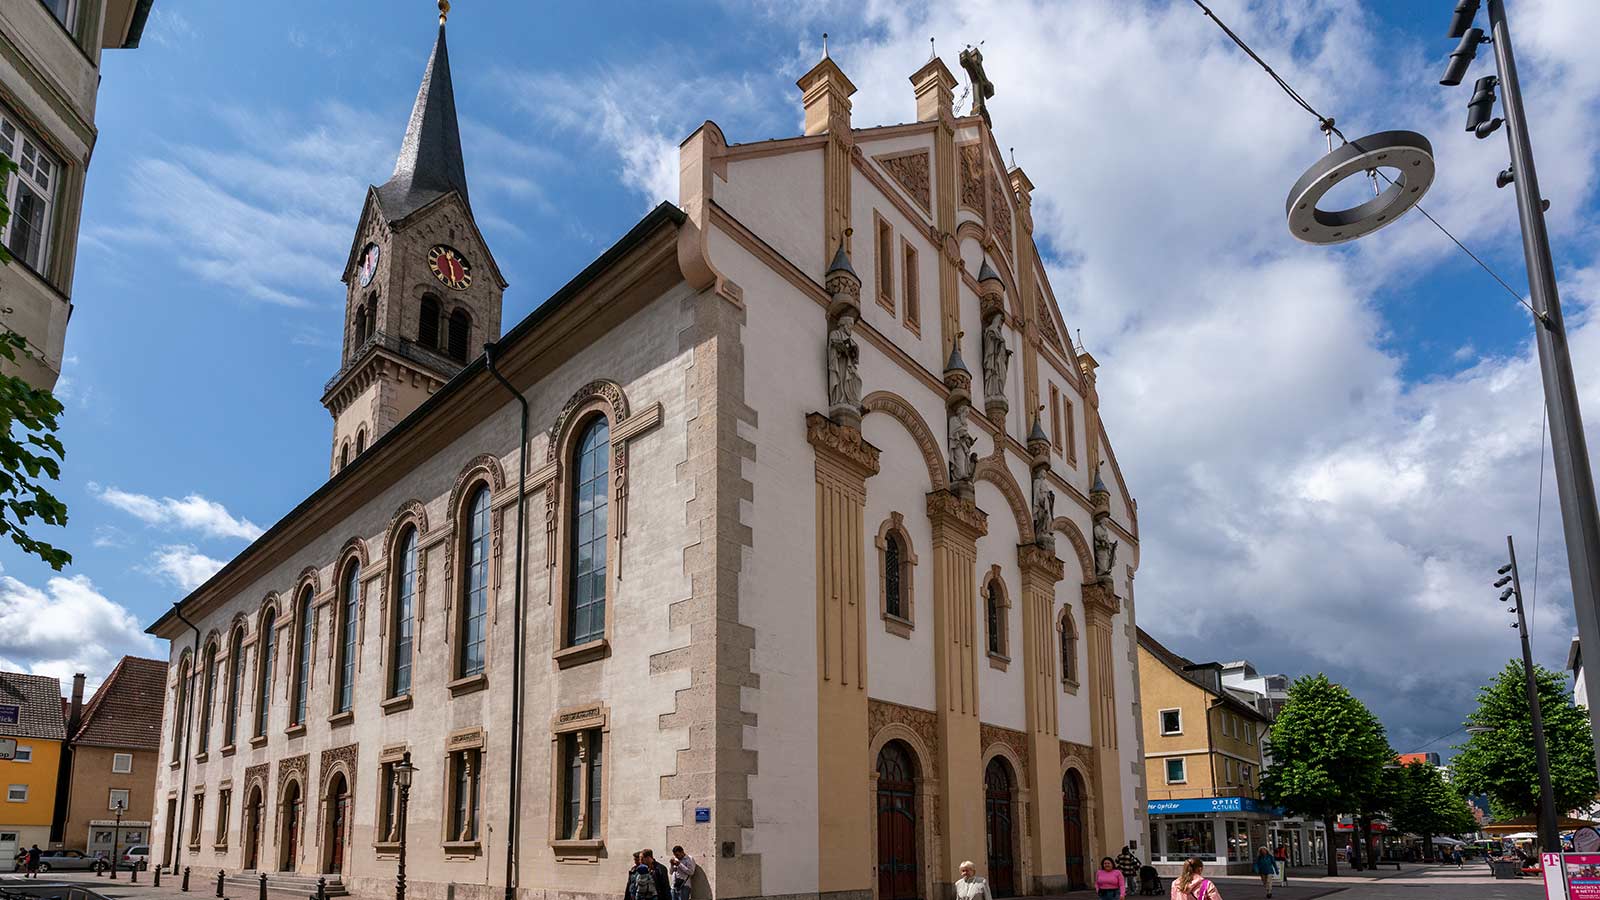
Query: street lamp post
(402, 777)
(1549, 831)
(116, 836)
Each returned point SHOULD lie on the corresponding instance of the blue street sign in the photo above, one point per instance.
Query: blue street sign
(702, 813)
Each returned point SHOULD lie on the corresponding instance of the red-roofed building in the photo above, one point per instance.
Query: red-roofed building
(114, 755)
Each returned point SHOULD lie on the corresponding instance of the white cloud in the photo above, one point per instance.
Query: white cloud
(69, 626)
(184, 565)
(193, 513)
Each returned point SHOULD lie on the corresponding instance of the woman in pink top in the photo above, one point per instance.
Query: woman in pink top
(1108, 882)
(1192, 883)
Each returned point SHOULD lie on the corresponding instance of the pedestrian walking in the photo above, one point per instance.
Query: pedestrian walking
(682, 874)
(628, 892)
(1192, 883)
(1108, 881)
(1455, 856)
(1283, 861)
(33, 861)
(1128, 862)
(658, 886)
(971, 885)
(1266, 865)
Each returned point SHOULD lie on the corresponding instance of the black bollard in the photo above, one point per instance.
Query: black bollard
(158, 876)
(185, 878)
(263, 894)
(322, 889)
(219, 883)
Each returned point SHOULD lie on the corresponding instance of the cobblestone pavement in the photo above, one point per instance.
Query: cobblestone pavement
(1411, 883)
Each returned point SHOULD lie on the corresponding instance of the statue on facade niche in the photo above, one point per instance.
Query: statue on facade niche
(996, 358)
(963, 461)
(844, 356)
(1105, 549)
(1044, 507)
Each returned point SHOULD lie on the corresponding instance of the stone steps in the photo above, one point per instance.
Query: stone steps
(281, 884)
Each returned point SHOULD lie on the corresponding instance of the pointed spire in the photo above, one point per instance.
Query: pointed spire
(1036, 433)
(841, 262)
(430, 163)
(1099, 486)
(987, 272)
(956, 363)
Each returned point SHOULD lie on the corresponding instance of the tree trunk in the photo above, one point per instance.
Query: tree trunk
(1357, 852)
(1427, 846)
(1333, 855)
(1371, 855)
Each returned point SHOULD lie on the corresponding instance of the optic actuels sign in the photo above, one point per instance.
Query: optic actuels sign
(1210, 804)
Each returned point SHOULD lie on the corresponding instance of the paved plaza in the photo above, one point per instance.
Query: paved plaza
(1410, 883)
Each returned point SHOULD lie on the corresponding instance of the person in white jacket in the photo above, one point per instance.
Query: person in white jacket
(972, 886)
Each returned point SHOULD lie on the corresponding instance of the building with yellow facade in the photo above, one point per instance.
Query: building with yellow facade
(1203, 759)
(31, 714)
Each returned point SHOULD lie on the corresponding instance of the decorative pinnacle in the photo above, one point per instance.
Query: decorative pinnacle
(444, 10)
(824, 45)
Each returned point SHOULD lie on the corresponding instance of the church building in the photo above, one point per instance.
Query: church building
(786, 531)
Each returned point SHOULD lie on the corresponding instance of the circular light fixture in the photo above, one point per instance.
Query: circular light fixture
(1406, 151)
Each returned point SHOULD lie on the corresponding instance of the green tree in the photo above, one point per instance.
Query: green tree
(1424, 804)
(1501, 761)
(29, 448)
(1328, 754)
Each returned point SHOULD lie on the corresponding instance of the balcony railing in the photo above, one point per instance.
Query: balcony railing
(444, 365)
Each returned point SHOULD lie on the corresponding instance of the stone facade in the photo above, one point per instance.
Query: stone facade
(736, 695)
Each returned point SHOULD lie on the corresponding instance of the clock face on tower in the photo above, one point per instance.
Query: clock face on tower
(450, 267)
(369, 263)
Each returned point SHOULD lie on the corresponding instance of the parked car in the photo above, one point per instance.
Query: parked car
(137, 855)
(65, 861)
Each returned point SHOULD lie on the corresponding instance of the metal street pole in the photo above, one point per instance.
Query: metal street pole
(1580, 520)
(1549, 831)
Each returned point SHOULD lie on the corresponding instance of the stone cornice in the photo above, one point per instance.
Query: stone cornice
(948, 509)
(842, 443)
(1100, 597)
(1039, 562)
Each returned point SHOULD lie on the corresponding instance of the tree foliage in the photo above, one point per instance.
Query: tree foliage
(1421, 802)
(1501, 761)
(1328, 751)
(29, 448)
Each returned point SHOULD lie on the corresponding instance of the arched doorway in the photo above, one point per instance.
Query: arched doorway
(899, 872)
(336, 821)
(289, 838)
(252, 829)
(1072, 828)
(997, 803)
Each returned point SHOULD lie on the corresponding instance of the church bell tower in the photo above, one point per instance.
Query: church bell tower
(422, 290)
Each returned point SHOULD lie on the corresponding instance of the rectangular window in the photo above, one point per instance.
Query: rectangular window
(464, 771)
(1244, 773)
(1055, 417)
(224, 801)
(1172, 721)
(17, 793)
(913, 301)
(121, 763)
(24, 754)
(118, 796)
(885, 263)
(1232, 771)
(1177, 770)
(582, 784)
(1187, 838)
(1071, 430)
(65, 13)
(30, 192)
(388, 805)
(196, 819)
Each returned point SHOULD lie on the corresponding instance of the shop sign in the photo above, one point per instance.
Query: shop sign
(1211, 804)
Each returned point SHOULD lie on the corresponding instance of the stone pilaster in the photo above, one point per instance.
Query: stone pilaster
(957, 525)
(1100, 605)
(845, 850)
(825, 94)
(1041, 571)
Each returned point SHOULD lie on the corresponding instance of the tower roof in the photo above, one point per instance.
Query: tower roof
(429, 164)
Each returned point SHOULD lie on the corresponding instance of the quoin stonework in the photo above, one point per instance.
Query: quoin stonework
(827, 563)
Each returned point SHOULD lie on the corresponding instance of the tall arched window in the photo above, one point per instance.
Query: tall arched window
(180, 699)
(361, 441)
(893, 597)
(460, 328)
(361, 326)
(405, 593)
(208, 690)
(1069, 648)
(230, 731)
(586, 594)
(995, 607)
(475, 586)
(428, 322)
(266, 650)
(344, 455)
(349, 612)
(302, 657)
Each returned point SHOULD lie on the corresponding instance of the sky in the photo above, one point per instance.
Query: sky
(1328, 445)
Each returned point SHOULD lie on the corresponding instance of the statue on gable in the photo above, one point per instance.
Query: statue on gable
(996, 358)
(844, 358)
(963, 460)
(1044, 509)
(1105, 549)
